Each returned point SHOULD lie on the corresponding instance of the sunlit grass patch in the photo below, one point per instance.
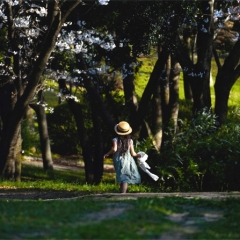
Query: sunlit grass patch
(234, 98)
(143, 75)
(62, 180)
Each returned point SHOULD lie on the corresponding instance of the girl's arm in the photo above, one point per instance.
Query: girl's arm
(113, 150)
(132, 151)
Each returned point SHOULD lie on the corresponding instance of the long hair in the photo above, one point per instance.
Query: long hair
(123, 143)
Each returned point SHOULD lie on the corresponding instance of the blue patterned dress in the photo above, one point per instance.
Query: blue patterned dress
(125, 167)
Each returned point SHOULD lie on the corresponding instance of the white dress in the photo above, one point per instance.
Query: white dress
(125, 166)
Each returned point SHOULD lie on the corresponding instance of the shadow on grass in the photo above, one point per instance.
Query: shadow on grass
(32, 173)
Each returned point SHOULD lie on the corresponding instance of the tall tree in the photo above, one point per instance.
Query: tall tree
(227, 75)
(57, 13)
(198, 73)
(39, 108)
(227, 20)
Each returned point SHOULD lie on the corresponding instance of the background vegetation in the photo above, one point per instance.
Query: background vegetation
(199, 158)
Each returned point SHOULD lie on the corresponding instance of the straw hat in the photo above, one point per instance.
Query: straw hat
(123, 128)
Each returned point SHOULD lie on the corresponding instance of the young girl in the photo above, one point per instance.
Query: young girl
(123, 153)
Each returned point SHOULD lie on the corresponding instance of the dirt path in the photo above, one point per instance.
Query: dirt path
(189, 195)
(37, 194)
(68, 165)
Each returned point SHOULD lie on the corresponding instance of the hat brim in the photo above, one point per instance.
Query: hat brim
(122, 133)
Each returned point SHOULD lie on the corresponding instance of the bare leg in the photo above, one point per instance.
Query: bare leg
(123, 187)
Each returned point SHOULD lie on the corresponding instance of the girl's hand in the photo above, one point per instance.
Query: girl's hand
(105, 155)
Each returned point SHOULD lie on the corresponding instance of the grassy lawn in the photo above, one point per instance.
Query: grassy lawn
(144, 218)
(90, 217)
(61, 180)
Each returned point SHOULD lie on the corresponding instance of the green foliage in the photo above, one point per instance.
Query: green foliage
(201, 157)
(63, 131)
(185, 110)
(30, 136)
(50, 96)
(143, 145)
(63, 61)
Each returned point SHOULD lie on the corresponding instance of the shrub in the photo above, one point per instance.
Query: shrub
(201, 157)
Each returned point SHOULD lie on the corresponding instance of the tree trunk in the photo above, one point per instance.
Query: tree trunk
(98, 148)
(131, 102)
(161, 104)
(44, 137)
(8, 98)
(169, 92)
(147, 94)
(226, 77)
(157, 117)
(174, 93)
(190, 50)
(10, 92)
(10, 164)
(99, 110)
(94, 94)
(165, 94)
(87, 151)
(98, 140)
(199, 74)
(18, 158)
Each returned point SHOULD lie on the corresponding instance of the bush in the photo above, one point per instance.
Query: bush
(201, 157)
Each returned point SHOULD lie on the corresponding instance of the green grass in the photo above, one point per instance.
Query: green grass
(143, 218)
(234, 98)
(143, 75)
(36, 178)
(89, 217)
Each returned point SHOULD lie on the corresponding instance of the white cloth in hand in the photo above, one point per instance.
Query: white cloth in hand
(144, 166)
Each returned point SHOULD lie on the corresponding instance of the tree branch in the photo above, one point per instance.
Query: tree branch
(215, 54)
